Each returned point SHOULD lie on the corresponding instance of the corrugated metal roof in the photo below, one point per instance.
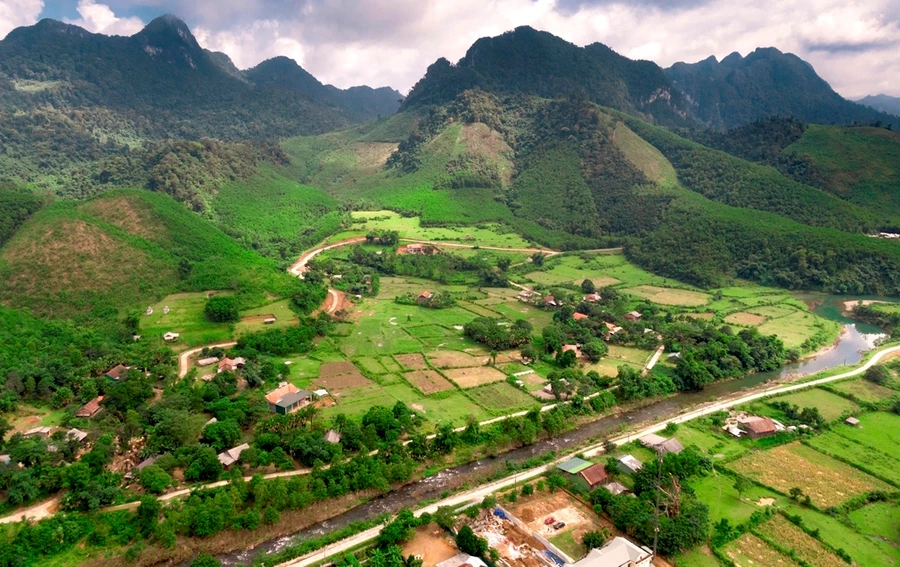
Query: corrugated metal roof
(574, 465)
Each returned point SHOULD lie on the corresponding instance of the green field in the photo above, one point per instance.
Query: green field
(865, 390)
(502, 398)
(717, 491)
(711, 444)
(879, 520)
(830, 405)
(186, 317)
(875, 462)
(879, 430)
(863, 550)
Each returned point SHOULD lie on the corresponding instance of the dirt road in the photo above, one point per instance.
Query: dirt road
(298, 267)
(184, 359)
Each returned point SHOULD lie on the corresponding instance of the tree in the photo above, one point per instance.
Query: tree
(148, 514)
(205, 560)
(594, 539)
(205, 466)
(795, 493)
(877, 374)
(594, 350)
(742, 485)
(587, 286)
(155, 480)
(537, 259)
(62, 397)
(222, 435)
(222, 309)
(468, 542)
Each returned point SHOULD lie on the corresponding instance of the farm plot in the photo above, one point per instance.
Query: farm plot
(669, 296)
(455, 359)
(863, 550)
(414, 361)
(338, 377)
(746, 319)
(751, 551)
(806, 547)
(254, 319)
(501, 397)
(773, 311)
(827, 481)
(185, 316)
(428, 331)
(795, 328)
(879, 430)
(831, 406)
(427, 381)
(880, 520)
(477, 376)
(867, 458)
(717, 491)
(865, 390)
(371, 365)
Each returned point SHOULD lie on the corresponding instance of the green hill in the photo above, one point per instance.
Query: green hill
(122, 251)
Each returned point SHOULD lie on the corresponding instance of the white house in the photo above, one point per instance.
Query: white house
(619, 552)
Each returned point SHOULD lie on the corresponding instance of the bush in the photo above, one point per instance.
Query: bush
(154, 479)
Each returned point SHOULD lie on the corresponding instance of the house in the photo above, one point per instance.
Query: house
(226, 365)
(852, 421)
(117, 372)
(612, 327)
(170, 336)
(38, 432)
(572, 348)
(579, 316)
(462, 560)
(550, 301)
(628, 464)
(231, 456)
(633, 316)
(287, 398)
(757, 427)
(618, 552)
(548, 387)
(5, 459)
(594, 475)
(573, 466)
(423, 297)
(320, 393)
(90, 409)
(269, 321)
(141, 466)
(76, 434)
(239, 362)
(424, 249)
(616, 488)
(207, 361)
(591, 297)
(332, 436)
(661, 444)
(525, 295)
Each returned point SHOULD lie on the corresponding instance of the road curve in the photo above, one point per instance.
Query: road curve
(184, 363)
(479, 493)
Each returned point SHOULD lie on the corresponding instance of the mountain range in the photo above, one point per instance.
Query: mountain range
(882, 102)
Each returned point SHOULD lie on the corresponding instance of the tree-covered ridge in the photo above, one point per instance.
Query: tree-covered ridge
(531, 62)
(16, 205)
(739, 90)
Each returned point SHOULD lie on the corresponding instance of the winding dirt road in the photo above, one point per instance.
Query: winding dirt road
(184, 359)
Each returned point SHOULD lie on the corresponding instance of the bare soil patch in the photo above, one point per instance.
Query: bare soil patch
(121, 212)
(704, 316)
(456, 359)
(669, 296)
(428, 381)
(744, 318)
(412, 361)
(432, 544)
(471, 377)
(337, 377)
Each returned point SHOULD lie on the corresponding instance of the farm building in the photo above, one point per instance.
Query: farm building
(594, 475)
(550, 301)
(661, 444)
(90, 409)
(170, 336)
(572, 348)
(423, 297)
(628, 464)
(269, 321)
(579, 316)
(320, 393)
(116, 373)
(332, 436)
(5, 459)
(573, 466)
(462, 560)
(852, 421)
(633, 316)
(422, 249)
(525, 295)
(229, 457)
(208, 361)
(592, 297)
(141, 466)
(230, 365)
(210, 421)
(757, 427)
(76, 434)
(38, 432)
(287, 398)
(619, 552)
(616, 488)
(612, 328)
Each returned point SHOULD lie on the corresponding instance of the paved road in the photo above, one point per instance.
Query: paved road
(479, 493)
(184, 362)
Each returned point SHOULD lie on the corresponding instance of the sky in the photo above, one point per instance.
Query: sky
(854, 45)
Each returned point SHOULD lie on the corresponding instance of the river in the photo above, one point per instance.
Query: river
(855, 340)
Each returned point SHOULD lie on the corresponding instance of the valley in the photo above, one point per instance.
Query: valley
(547, 302)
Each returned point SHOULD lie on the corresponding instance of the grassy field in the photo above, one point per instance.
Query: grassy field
(872, 460)
(806, 547)
(828, 482)
(865, 390)
(502, 397)
(669, 296)
(566, 542)
(879, 520)
(878, 430)
(717, 491)
(750, 551)
(185, 317)
(863, 550)
(710, 443)
(697, 557)
(830, 405)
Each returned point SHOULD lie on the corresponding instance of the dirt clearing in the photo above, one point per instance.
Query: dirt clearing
(412, 361)
(432, 544)
(669, 296)
(456, 359)
(340, 376)
(428, 381)
(744, 318)
(471, 377)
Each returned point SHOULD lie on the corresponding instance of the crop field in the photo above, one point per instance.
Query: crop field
(880, 520)
(669, 296)
(828, 482)
(879, 430)
(455, 359)
(717, 491)
(806, 547)
(745, 319)
(427, 381)
(796, 327)
(751, 551)
(415, 361)
(185, 317)
(697, 557)
(502, 397)
(865, 390)
(619, 356)
(710, 443)
(830, 405)
(252, 319)
(338, 377)
(872, 460)
(473, 377)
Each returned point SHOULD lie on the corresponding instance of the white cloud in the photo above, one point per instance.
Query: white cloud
(15, 13)
(99, 18)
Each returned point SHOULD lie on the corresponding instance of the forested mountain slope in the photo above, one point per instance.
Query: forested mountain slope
(767, 82)
(882, 102)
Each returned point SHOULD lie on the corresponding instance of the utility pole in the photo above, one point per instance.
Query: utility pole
(658, 490)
